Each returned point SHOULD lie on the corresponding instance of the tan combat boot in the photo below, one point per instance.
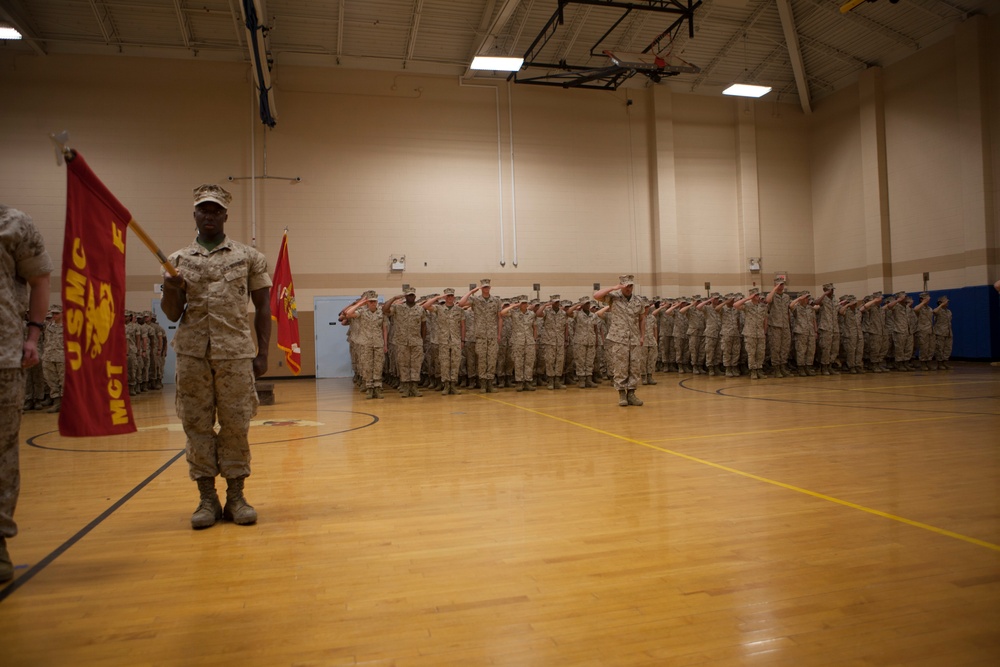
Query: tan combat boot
(622, 398)
(631, 398)
(237, 509)
(209, 509)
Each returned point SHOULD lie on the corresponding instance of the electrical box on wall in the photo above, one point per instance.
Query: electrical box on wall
(397, 263)
(754, 263)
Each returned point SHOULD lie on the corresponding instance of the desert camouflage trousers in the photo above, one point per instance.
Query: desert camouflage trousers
(829, 346)
(370, 362)
(486, 356)
(755, 352)
(626, 363)
(902, 346)
(942, 348)
(780, 340)
(731, 349)
(449, 361)
(805, 349)
(210, 390)
(11, 401)
(554, 357)
(53, 372)
(584, 356)
(409, 359)
(523, 356)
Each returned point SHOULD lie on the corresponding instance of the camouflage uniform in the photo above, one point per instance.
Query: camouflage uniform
(34, 382)
(623, 335)
(407, 320)
(805, 338)
(729, 333)
(522, 343)
(754, 325)
(942, 332)
(449, 320)
(829, 330)
(371, 347)
(23, 256)
(584, 345)
(779, 331)
(487, 329)
(160, 353)
(713, 331)
(552, 340)
(215, 351)
(53, 359)
(650, 349)
(696, 337)
(132, 352)
(681, 338)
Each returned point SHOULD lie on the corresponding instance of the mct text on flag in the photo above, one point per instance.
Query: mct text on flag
(95, 389)
(283, 310)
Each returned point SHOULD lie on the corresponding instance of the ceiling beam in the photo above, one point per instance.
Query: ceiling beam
(185, 33)
(340, 30)
(411, 40)
(21, 25)
(237, 23)
(103, 17)
(794, 53)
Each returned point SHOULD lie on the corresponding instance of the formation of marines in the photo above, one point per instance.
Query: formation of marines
(440, 342)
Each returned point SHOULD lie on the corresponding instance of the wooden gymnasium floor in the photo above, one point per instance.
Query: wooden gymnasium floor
(822, 521)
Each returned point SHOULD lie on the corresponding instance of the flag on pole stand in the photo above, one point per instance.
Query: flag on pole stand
(283, 310)
(95, 389)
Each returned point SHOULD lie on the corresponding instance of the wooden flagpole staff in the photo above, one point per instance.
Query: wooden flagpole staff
(63, 151)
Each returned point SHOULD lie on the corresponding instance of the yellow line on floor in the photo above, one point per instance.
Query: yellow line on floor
(741, 473)
(804, 428)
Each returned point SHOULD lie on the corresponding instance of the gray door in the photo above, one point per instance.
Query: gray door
(333, 355)
(171, 328)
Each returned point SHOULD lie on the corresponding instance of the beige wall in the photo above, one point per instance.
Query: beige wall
(677, 188)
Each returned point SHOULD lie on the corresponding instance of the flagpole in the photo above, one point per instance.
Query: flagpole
(153, 248)
(68, 153)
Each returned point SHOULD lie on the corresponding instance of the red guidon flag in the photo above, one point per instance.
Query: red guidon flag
(283, 310)
(95, 397)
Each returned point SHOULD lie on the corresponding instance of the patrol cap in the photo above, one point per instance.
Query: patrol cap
(779, 281)
(370, 295)
(554, 297)
(827, 286)
(805, 292)
(942, 299)
(925, 295)
(714, 295)
(410, 290)
(900, 293)
(449, 291)
(213, 193)
(522, 299)
(626, 280)
(754, 291)
(55, 308)
(565, 303)
(583, 299)
(485, 282)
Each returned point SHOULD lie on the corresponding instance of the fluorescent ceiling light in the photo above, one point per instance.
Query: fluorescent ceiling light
(746, 90)
(497, 63)
(9, 33)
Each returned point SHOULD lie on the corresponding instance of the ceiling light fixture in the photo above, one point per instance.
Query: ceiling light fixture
(497, 63)
(7, 32)
(746, 89)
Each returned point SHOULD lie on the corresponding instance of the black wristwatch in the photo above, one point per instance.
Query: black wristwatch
(37, 325)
